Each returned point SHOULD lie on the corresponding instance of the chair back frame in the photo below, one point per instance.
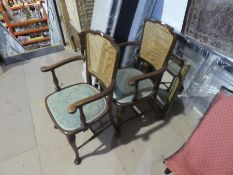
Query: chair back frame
(175, 83)
(84, 45)
(170, 30)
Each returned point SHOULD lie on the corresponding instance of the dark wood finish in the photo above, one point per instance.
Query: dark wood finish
(55, 81)
(73, 107)
(71, 140)
(107, 91)
(167, 171)
(61, 63)
(164, 109)
(154, 75)
(129, 43)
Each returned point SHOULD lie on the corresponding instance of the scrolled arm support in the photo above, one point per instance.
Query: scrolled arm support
(79, 104)
(59, 64)
(82, 119)
(154, 74)
(134, 81)
(74, 106)
(55, 81)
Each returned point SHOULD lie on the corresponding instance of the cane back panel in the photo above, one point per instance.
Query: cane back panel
(156, 43)
(101, 57)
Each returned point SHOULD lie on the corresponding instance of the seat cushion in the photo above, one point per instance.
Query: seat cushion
(209, 149)
(162, 96)
(123, 92)
(59, 102)
(174, 68)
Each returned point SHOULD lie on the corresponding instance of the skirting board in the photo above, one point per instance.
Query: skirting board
(33, 54)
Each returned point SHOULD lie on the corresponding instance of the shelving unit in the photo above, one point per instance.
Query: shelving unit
(28, 5)
(32, 33)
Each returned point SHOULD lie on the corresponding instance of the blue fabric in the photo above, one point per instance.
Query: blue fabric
(123, 92)
(58, 105)
(174, 68)
(162, 96)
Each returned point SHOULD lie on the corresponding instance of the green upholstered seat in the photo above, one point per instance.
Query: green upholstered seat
(162, 96)
(58, 105)
(123, 92)
(174, 68)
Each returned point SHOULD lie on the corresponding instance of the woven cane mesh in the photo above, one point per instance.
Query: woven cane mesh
(177, 82)
(101, 57)
(156, 43)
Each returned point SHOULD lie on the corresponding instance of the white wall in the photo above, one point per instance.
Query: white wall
(100, 16)
(172, 13)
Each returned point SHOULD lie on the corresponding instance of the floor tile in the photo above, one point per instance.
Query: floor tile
(23, 164)
(16, 126)
(35, 147)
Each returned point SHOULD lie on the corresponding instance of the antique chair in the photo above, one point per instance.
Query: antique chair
(141, 81)
(76, 108)
(209, 149)
(169, 90)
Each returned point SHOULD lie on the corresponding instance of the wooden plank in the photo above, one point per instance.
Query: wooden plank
(31, 31)
(35, 41)
(28, 22)
(27, 5)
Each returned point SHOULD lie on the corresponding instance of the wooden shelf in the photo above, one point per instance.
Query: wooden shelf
(28, 22)
(35, 41)
(28, 5)
(31, 31)
(26, 32)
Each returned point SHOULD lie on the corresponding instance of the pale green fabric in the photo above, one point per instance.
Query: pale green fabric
(58, 105)
(123, 92)
(174, 68)
(162, 96)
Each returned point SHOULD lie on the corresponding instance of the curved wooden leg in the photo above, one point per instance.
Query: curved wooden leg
(119, 121)
(112, 119)
(167, 171)
(71, 140)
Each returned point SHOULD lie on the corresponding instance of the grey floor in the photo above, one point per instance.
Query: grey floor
(30, 145)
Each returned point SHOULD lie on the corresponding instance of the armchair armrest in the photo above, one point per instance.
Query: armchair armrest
(157, 73)
(129, 43)
(61, 63)
(79, 104)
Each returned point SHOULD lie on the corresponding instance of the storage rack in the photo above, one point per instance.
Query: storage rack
(27, 32)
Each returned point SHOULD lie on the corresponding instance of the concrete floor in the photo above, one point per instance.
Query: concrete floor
(30, 145)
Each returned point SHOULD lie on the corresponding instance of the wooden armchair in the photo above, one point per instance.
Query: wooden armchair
(76, 108)
(142, 81)
(169, 90)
